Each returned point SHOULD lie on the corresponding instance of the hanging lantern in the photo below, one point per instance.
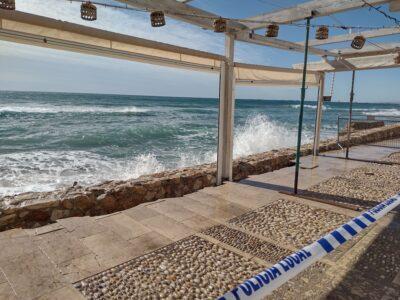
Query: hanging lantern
(397, 59)
(220, 25)
(157, 19)
(7, 4)
(272, 30)
(358, 42)
(322, 33)
(88, 11)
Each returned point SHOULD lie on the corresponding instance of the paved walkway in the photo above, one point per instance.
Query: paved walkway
(234, 225)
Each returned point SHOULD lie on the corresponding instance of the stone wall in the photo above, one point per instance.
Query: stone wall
(35, 209)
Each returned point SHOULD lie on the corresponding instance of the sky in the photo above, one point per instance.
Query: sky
(29, 68)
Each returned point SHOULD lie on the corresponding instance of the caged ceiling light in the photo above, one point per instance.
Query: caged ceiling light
(272, 31)
(157, 19)
(220, 25)
(322, 33)
(358, 42)
(88, 11)
(7, 4)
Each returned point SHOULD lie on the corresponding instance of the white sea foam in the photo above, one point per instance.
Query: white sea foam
(53, 109)
(382, 112)
(260, 134)
(297, 106)
(48, 170)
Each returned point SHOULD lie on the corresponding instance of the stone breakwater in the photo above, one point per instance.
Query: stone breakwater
(35, 209)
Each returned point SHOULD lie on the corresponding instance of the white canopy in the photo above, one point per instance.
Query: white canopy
(45, 32)
(354, 63)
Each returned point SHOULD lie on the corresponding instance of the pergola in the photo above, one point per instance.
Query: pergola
(45, 32)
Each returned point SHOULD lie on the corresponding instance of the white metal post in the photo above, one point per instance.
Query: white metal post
(226, 113)
(318, 117)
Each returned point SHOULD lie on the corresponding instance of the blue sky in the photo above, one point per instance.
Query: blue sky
(31, 68)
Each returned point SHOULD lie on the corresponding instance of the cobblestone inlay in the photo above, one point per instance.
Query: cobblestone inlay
(290, 223)
(364, 186)
(192, 268)
(306, 285)
(249, 244)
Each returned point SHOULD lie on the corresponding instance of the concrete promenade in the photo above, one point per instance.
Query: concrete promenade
(205, 243)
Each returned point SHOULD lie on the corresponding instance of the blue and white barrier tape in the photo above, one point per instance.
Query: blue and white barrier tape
(270, 279)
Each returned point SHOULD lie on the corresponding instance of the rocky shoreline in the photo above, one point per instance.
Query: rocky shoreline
(36, 209)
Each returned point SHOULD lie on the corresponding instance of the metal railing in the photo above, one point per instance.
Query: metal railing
(363, 122)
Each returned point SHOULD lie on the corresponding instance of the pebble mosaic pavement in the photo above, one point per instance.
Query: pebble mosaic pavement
(192, 268)
(290, 223)
(200, 268)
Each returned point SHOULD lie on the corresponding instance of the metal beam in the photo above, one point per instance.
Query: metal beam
(351, 36)
(303, 96)
(315, 8)
(183, 12)
(280, 44)
(358, 63)
(226, 113)
(370, 51)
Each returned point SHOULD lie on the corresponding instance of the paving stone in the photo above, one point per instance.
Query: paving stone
(198, 223)
(192, 268)
(107, 245)
(81, 267)
(288, 223)
(82, 227)
(168, 227)
(32, 275)
(14, 247)
(149, 242)
(172, 210)
(123, 225)
(6, 292)
(249, 244)
(65, 293)
(141, 212)
(60, 246)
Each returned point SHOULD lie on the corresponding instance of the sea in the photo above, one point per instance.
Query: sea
(51, 140)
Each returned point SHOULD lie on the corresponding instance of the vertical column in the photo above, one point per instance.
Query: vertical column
(226, 113)
(350, 114)
(318, 116)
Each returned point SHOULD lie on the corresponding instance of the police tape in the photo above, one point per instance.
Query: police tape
(272, 278)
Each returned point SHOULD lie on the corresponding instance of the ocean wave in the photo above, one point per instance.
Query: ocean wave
(54, 109)
(38, 171)
(47, 170)
(382, 112)
(260, 134)
(296, 106)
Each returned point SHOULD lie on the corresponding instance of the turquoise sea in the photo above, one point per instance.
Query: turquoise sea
(49, 140)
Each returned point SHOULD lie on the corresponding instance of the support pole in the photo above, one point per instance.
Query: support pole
(303, 96)
(226, 113)
(318, 116)
(350, 114)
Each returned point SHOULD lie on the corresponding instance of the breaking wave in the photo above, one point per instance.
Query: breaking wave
(54, 109)
(296, 106)
(38, 171)
(382, 112)
(260, 134)
(48, 170)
